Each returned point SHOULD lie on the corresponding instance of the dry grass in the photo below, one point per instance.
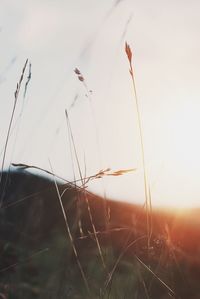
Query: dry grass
(148, 204)
(16, 95)
(108, 270)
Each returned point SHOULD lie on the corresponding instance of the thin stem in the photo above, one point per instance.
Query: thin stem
(148, 204)
(85, 194)
(70, 234)
(16, 95)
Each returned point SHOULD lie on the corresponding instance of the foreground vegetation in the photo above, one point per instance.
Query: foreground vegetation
(57, 240)
(45, 255)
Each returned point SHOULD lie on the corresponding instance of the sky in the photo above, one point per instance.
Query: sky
(58, 36)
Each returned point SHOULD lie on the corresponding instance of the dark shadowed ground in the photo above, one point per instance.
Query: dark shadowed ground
(93, 248)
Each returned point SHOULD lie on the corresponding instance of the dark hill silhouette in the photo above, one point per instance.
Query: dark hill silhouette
(40, 260)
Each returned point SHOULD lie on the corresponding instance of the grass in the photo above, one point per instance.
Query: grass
(148, 204)
(16, 95)
(43, 259)
(57, 240)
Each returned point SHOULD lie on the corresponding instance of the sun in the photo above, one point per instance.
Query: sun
(178, 181)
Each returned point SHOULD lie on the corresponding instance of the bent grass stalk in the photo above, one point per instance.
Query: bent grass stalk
(89, 96)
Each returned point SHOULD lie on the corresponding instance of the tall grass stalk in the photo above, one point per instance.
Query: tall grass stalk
(16, 96)
(148, 204)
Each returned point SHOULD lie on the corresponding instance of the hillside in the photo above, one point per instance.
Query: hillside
(60, 241)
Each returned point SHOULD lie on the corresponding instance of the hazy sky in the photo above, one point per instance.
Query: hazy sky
(58, 36)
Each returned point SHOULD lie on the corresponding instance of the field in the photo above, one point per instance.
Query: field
(92, 248)
(59, 239)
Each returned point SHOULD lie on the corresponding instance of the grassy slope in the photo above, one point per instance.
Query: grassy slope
(39, 261)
